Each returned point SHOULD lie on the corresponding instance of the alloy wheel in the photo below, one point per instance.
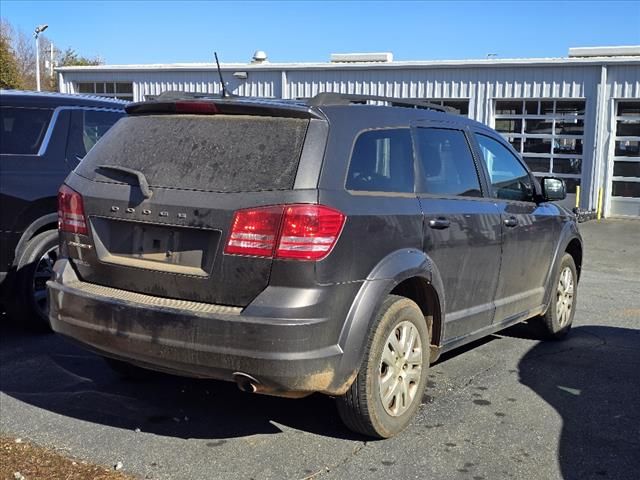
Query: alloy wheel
(400, 368)
(564, 299)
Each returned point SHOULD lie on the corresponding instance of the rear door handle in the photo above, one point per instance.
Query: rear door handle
(439, 223)
(511, 222)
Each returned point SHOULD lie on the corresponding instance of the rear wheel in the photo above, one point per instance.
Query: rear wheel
(557, 321)
(388, 389)
(35, 267)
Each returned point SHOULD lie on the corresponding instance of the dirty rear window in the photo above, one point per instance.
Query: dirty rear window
(221, 153)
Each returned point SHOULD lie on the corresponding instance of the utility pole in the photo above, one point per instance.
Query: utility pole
(51, 61)
(39, 29)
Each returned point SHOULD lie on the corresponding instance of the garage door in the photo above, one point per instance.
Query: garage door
(625, 183)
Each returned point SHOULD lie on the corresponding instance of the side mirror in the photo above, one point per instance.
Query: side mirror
(553, 189)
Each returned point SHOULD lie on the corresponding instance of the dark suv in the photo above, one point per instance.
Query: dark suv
(43, 137)
(322, 246)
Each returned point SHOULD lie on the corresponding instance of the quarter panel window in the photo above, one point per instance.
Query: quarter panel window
(447, 163)
(382, 161)
(22, 130)
(509, 179)
(87, 127)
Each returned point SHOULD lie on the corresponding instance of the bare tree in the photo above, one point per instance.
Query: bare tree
(24, 51)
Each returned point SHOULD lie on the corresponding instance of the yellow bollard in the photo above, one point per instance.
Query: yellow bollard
(599, 210)
(577, 196)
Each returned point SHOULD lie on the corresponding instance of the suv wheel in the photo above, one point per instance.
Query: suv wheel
(34, 269)
(388, 388)
(556, 322)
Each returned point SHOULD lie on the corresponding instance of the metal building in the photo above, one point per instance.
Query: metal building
(576, 117)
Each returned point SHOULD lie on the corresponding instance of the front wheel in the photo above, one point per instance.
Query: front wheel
(388, 389)
(557, 320)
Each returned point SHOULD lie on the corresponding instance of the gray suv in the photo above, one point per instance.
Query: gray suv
(328, 245)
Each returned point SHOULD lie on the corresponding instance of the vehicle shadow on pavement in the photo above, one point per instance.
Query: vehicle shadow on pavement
(50, 373)
(593, 381)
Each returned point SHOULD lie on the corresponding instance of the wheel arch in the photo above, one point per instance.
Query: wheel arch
(425, 295)
(570, 242)
(408, 272)
(39, 225)
(574, 248)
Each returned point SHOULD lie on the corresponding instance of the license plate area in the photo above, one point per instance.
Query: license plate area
(167, 248)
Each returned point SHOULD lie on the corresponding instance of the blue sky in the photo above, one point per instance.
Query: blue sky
(170, 31)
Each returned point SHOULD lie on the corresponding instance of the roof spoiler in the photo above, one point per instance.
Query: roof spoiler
(211, 104)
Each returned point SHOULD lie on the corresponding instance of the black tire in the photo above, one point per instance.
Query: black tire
(553, 324)
(362, 408)
(128, 371)
(29, 305)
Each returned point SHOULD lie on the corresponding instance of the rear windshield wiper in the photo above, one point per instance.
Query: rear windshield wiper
(142, 180)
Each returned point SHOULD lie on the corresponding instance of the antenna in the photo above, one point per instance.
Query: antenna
(224, 89)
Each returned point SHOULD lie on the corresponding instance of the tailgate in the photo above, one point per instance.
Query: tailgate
(200, 170)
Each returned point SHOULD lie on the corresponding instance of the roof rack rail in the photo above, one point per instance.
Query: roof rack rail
(170, 95)
(328, 98)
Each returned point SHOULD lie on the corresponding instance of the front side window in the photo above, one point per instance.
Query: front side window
(447, 163)
(23, 129)
(382, 161)
(509, 179)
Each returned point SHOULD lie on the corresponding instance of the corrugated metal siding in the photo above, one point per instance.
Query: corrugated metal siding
(477, 84)
(623, 81)
(259, 84)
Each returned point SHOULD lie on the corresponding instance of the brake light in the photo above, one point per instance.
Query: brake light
(303, 232)
(309, 232)
(254, 231)
(71, 211)
(196, 107)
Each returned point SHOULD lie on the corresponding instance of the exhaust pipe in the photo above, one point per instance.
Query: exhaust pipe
(245, 382)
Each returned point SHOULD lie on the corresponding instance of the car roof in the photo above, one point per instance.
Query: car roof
(52, 99)
(379, 110)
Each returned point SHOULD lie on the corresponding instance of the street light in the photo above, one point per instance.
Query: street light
(39, 29)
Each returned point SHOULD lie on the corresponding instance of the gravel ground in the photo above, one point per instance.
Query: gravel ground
(507, 406)
(20, 460)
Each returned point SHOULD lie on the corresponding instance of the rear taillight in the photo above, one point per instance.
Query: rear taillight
(71, 211)
(254, 231)
(304, 232)
(309, 232)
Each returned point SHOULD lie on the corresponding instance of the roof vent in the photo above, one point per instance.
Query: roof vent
(622, 51)
(382, 57)
(259, 57)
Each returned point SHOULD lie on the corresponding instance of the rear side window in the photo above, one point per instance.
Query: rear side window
(509, 179)
(447, 163)
(87, 127)
(23, 129)
(218, 153)
(382, 161)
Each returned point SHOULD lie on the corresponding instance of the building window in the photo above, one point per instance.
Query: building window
(460, 104)
(121, 90)
(548, 134)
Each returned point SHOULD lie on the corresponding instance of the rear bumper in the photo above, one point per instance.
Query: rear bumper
(284, 355)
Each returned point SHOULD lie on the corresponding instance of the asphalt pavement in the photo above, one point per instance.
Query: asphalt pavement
(508, 406)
